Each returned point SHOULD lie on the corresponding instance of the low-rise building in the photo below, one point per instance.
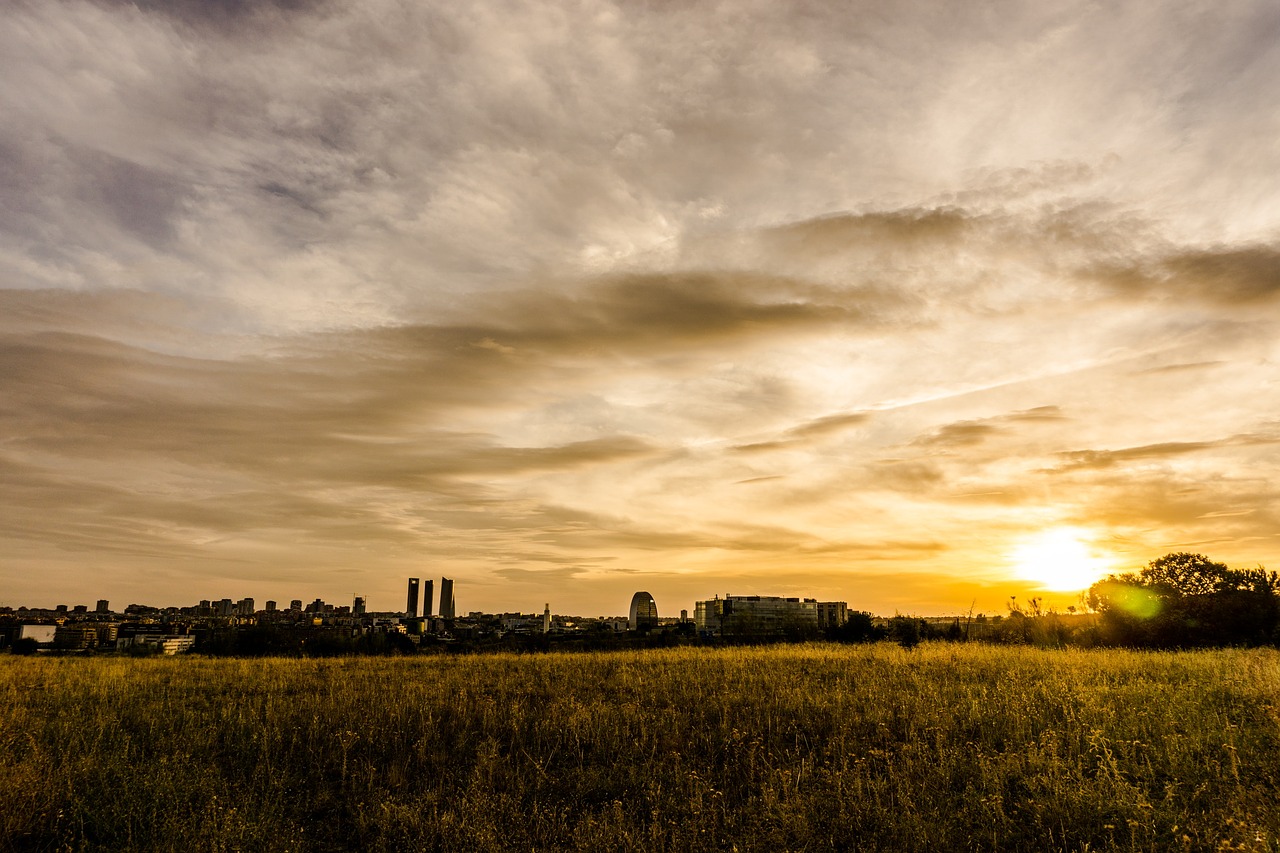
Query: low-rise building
(832, 614)
(170, 644)
(75, 637)
(756, 615)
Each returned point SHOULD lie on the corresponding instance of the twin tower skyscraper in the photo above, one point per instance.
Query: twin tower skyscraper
(446, 599)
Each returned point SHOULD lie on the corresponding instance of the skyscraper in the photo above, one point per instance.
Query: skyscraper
(358, 606)
(446, 598)
(411, 608)
(428, 597)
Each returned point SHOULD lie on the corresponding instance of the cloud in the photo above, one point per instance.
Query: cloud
(1169, 510)
(687, 289)
(958, 435)
(809, 433)
(1188, 367)
(1037, 414)
(1230, 276)
(1095, 459)
(220, 14)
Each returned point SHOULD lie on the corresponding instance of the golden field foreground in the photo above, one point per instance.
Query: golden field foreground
(944, 747)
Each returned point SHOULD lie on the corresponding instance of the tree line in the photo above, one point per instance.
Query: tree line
(1186, 600)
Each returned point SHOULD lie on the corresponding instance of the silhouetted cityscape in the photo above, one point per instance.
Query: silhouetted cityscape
(240, 626)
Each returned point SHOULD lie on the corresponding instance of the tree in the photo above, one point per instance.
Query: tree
(860, 627)
(905, 631)
(1184, 574)
(1187, 599)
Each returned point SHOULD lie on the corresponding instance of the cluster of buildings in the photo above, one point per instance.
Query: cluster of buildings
(419, 621)
(176, 629)
(101, 634)
(171, 630)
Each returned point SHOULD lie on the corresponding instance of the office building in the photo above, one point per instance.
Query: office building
(644, 613)
(428, 598)
(411, 606)
(832, 614)
(357, 606)
(103, 606)
(546, 619)
(446, 598)
(756, 615)
(75, 636)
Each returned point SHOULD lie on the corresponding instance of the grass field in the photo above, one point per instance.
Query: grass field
(945, 747)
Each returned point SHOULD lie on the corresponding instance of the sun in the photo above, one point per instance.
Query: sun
(1061, 559)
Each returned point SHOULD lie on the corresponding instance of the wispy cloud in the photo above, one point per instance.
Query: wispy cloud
(320, 293)
(1077, 459)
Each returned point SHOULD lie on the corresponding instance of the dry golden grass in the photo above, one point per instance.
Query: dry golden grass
(783, 748)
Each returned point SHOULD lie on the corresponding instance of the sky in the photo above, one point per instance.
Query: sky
(913, 305)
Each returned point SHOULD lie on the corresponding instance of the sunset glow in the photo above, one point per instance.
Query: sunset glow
(569, 300)
(1061, 559)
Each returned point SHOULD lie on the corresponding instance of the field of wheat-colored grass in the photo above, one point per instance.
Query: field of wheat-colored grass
(944, 747)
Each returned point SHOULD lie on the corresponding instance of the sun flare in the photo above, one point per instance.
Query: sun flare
(1060, 559)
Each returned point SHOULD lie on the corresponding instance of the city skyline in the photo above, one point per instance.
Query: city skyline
(641, 614)
(913, 306)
